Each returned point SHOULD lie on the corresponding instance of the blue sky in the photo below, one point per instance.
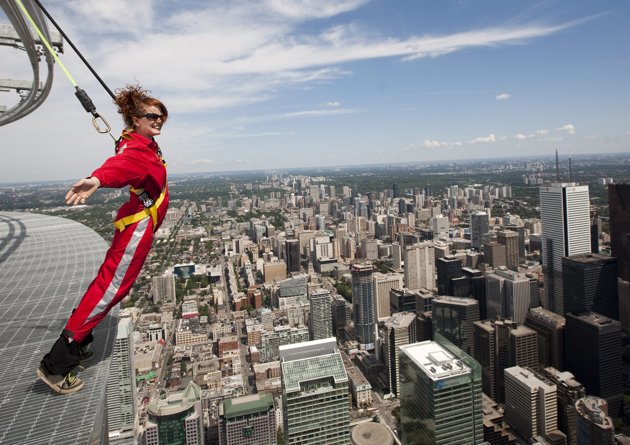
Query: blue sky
(298, 83)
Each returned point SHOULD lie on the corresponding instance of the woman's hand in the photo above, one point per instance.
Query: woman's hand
(82, 190)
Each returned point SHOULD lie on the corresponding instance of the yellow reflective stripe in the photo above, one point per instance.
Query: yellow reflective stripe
(128, 220)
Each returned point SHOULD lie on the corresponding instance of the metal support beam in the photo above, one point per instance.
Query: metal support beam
(10, 84)
(9, 37)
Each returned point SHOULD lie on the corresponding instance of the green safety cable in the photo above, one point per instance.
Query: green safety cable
(83, 97)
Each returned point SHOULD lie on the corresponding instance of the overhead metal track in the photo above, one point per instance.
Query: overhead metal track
(20, 36)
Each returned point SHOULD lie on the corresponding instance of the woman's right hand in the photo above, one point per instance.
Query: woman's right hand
(82, 190)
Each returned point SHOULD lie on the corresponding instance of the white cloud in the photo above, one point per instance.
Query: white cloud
(428, 143)
(332, 104)
(235, 52)
(568, 128)
(520, 136)
(503, 96)
(485, 139)
(542, 132)
(307, 9)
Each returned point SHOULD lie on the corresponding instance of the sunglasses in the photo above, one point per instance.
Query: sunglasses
(152, 116)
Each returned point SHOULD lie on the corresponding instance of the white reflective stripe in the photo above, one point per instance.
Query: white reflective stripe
(121, 270)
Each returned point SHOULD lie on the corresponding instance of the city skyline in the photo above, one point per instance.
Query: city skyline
(291, 84)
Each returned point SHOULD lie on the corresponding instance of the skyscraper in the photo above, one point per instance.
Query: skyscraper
(420, 266)
(509, 239)
(590, 284)
(440, 395)
(494, 254)
(550, 329)
(340, 314)
(508, 295)
(454, 319)
(448, 268)
(292, 251)
(383, 284)
(569, 392)
(479, 228)
(530, 402)
(565, 219)
(594, 426)
(403, 300)
(619, 205)
(247, 419)
(121, 385)
(595, 358)
(499, 345)
(363, 304)
(315, 403)
(177, 418)
(320, 317)
(400, 329)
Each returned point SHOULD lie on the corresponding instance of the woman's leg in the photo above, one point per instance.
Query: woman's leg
(123, 262)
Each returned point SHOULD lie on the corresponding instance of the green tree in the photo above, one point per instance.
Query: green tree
(280, 436)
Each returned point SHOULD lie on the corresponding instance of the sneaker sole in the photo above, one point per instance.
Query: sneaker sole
(57, 388)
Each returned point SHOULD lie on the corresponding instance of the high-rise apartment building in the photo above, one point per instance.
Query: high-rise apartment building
(565, 218)
(440, 395)
(509, 239)
(320, 317)
(383, 284)
(315, 402)
(569, 392)
(420, 266)
(454, 319)
(247, 420)
(499, 345)
(619, 210)
(530, 403)
(400, 329)
(590, 284)
(479, 229)
(363, 304)
(550, 329)
(121, 385)
(178, 418)
(594, 342)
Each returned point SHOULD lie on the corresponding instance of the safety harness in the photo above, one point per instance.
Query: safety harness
(150, 207)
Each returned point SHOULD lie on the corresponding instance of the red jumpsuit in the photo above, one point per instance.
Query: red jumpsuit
(139, 165)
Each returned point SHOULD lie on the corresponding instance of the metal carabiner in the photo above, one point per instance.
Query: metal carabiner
(107, 128)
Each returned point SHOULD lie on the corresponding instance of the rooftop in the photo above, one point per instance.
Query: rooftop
(434, 360)
(46, 263)
(243, 406)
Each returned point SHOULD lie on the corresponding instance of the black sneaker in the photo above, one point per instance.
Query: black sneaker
(62, 384)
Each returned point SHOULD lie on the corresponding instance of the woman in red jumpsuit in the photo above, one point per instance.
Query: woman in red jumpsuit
(138, 163)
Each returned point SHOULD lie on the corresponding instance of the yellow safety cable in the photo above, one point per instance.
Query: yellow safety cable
(81, 94)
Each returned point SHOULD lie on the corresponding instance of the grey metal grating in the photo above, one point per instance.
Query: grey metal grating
(46, 263)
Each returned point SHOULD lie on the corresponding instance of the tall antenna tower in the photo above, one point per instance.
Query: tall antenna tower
(557, 168)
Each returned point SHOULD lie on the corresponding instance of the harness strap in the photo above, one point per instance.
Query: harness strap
(151, 211)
